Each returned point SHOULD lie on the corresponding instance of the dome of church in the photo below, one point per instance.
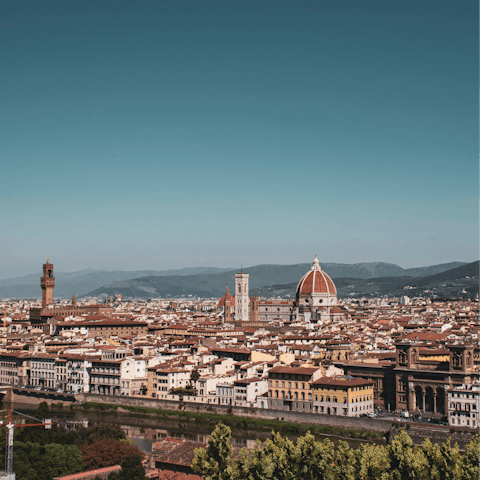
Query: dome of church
(221, 302)
(316, 281)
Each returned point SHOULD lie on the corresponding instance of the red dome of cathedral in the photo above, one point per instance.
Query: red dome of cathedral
(315, 281)
(221, 302)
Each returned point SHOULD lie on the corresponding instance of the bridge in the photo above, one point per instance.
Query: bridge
(9, 393)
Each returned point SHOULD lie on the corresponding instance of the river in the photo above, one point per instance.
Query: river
(144, 430)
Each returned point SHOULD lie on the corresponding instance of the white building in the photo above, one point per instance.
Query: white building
(207, 385)
(168, 378)
(248, 389)
(464, 406)
(242, 300)
(225, 393)
(405, 300)
(78, 376)
(43, 371)
(133, 376)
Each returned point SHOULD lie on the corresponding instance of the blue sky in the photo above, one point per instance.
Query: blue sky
(155, 134)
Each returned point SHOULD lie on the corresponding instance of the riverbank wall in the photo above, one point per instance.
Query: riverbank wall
(417, 431)
(35, 397)
(355, 423)
(436, 433)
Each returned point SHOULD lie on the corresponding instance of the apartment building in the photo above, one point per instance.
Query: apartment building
(78, 373)
(346, 396)
(133, 376)
(464, 406)
(43, 371)
(289, 387)
(105, 377)
(248, 389)
(168, 378)
(11, 371)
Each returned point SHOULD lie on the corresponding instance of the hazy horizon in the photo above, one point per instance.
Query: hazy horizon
(85, 269)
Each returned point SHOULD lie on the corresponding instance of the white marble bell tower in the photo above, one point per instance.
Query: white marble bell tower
(241, 297)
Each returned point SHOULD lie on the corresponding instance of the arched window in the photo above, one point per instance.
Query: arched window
(328, 398)
(303, 396)
(335, 399)
(296, 395)
(276, 393)
(283, 394)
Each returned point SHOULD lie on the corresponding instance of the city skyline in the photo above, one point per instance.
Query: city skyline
(162, 136)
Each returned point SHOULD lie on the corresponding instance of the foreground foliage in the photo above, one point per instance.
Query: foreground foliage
(105, 453)
(41, 454)
(308, 459)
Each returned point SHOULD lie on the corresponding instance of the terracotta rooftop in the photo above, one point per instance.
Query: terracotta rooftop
(341, 382)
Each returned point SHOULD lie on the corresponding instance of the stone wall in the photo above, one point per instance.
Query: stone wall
(34, 397)
(436, 433)
(356, 423)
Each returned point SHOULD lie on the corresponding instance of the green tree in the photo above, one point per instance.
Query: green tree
(345, 458)
(312, 460)
(282, 459)
(470, 461)
(307, 459)
(371, 462)
(59, 460)
(31, 461)
(43, 411)
(269, 462)
(215, 463)
(444, 462)
(194, 376)
(407, 462)
(132, 468)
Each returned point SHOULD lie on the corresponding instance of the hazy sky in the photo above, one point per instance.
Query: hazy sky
(165, 134)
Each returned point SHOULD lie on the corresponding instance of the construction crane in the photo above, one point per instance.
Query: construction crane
(10, 425)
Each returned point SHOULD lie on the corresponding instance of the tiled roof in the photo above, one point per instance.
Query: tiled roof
(294, 370)
(341, 382)
(175, 451)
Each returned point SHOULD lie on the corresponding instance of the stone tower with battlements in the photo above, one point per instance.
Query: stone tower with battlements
(47, 282)
(241, 297)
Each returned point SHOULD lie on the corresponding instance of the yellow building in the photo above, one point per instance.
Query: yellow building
(346, 396)
(289, 388)
(152, 382)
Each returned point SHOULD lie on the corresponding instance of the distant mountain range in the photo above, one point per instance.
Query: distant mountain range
(265, 280)
(83, 281)
(450, 283)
